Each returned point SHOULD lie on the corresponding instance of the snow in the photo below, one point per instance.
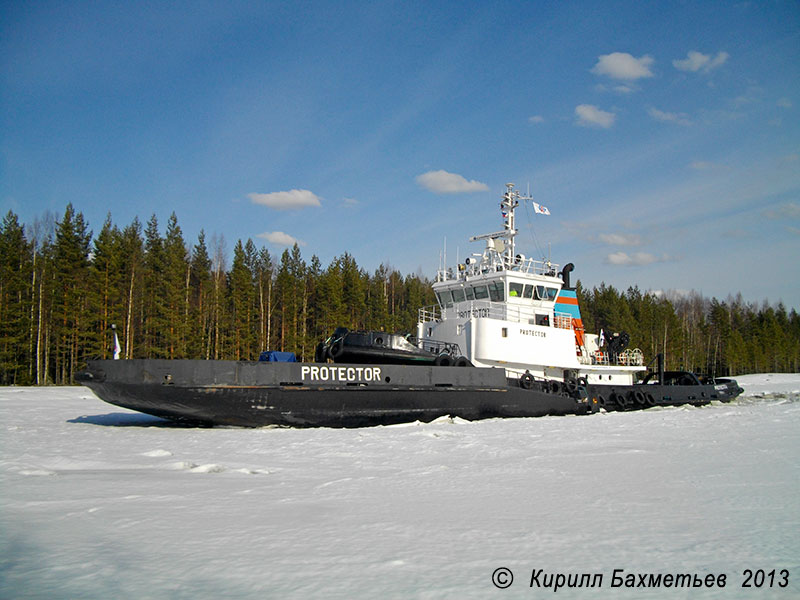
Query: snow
(770, 384)
(99, 502)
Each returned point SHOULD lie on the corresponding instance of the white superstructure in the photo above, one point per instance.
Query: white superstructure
(506, 310)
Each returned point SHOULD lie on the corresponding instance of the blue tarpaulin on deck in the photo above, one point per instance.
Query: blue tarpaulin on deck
(273, 356)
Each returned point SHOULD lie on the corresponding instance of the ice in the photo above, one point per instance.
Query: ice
(98, 502)
(157, 453)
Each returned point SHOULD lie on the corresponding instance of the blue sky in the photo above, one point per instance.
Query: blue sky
(663, 137)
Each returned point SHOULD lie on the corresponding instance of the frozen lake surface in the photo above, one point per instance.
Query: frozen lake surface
(99, 502)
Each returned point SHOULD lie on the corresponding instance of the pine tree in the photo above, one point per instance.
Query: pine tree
(200, 301)
(154, 318)
(315, 328)
(176, 291)
(132, 273)
(41, 234)
(242, 302)
(15, 274)
(219, 315)
(377, 300)
(353, 292)
(299, 280)
(70, 306)
(329, 297)
(263, 281)
(105, 293)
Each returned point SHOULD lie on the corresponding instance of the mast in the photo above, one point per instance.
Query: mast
(507, 206)
(509, 202)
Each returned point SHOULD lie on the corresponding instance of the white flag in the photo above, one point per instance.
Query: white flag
(542, 210)
(602, 338)
(117, 349)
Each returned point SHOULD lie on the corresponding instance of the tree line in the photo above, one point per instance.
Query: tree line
(62, 288)
(698, 334)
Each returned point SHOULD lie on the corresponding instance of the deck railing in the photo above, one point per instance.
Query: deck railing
(527, 266)
(632, 357)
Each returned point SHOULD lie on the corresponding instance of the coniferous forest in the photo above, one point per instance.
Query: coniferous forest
(62, 288)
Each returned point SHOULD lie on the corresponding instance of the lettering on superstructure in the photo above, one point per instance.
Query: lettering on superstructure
(476, 313)
(533, 332)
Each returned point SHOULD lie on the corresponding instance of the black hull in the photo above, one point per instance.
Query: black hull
(252, 394)
(641, 396)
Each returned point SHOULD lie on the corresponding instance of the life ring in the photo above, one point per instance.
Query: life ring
(526, 381)
(443, 360)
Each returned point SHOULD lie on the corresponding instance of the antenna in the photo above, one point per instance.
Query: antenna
(444, 266)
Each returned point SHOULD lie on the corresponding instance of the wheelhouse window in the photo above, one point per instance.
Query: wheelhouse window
(515, 290)
(470, 293)
(445, 298)
(458, 295)
(545, 293)
(496, 291)
(481, 293)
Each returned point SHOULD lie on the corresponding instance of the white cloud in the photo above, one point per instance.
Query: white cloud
(279, 238)
(790, 210)
(286, 200)
(784, 103)
(623, 88)
(621, 65)
(696, 61)
(660, 115)
(753, 94)
(536, 119)
(621, 239)
(350, 202)
(636, 259)
(442, 182)
(591, 116)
